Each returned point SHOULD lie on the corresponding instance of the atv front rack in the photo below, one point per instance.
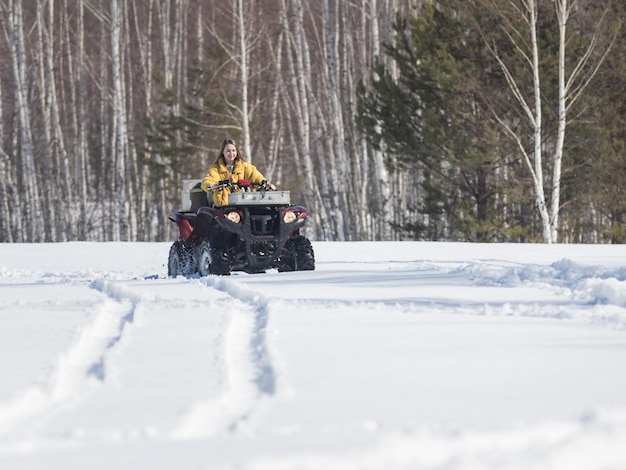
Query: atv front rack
(259, 198)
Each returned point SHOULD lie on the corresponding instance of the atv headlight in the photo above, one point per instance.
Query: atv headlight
(289, 217)
(234, 217)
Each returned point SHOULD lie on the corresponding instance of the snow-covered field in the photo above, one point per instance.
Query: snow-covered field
(389, 356)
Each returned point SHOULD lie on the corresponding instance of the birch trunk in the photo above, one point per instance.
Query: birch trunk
(366, 183)
(104, 181)
(300, 82)
(532, 112)
(6, 235)
(131, 176)
(150, 210)
(562, 15)
(338, 175)
(243, 63)
(570, 89)
(383, 204)
(168, 50)
(50, 202)
(79, 117)
(62, 193)
(120, 229)
(537, 123)
(33, 231)
(276, 142)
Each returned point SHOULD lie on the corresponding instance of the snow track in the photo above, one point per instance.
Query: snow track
(120, 307)
(259, 308)
(250, 374)
(79, 368)
(230, 346)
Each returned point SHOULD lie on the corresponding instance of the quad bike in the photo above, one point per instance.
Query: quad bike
(256, 231)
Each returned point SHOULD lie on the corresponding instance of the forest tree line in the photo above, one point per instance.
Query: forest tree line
(471, 120)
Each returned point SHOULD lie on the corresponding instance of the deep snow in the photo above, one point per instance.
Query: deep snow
(388, 356)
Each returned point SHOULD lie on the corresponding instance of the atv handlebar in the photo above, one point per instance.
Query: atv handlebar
(241, 184)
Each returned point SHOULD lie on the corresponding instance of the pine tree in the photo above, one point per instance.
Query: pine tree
(430, 120)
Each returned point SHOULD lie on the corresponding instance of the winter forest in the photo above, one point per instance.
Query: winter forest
(456, 120)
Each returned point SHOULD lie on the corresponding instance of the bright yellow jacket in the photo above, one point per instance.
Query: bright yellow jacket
(219, 172)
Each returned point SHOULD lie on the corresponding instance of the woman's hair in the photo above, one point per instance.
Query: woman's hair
(224, 144)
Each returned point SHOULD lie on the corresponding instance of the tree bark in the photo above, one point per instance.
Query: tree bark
(6, 234)
(120, 230)
(338, 176)
(33, 230)
(382, 205)
(243, 65)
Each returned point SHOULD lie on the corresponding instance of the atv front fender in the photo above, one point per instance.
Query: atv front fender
(184, 222)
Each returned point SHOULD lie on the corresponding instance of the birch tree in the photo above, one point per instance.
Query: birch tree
(382, 181)
(238, 33)
(149, 207)
(570, 87)
(5, 182)
(119, 114)
(81, 149)
(50, 202)
(338, 175)
(58, 184)
(243, 66)
(302, 110)
(33, 228)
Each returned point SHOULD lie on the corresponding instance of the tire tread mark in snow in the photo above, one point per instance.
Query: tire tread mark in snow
(265, 377)
(84, 359)
(250, 374)
(119, 296)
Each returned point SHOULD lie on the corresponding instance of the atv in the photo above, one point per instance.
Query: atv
(258, 230)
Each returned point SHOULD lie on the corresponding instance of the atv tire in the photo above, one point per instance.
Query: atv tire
(297, 255)
(180, 260)
(212, 259)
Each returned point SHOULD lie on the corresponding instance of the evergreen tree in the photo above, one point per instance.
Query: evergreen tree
(596, 182)
(426, 113)
(464, 106)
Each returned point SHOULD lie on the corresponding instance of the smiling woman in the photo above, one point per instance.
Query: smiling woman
(388, 355)
(230, 166)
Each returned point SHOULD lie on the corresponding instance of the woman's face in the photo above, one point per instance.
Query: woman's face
(230, 153)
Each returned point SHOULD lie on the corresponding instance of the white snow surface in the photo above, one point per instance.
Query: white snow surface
(390, 355)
